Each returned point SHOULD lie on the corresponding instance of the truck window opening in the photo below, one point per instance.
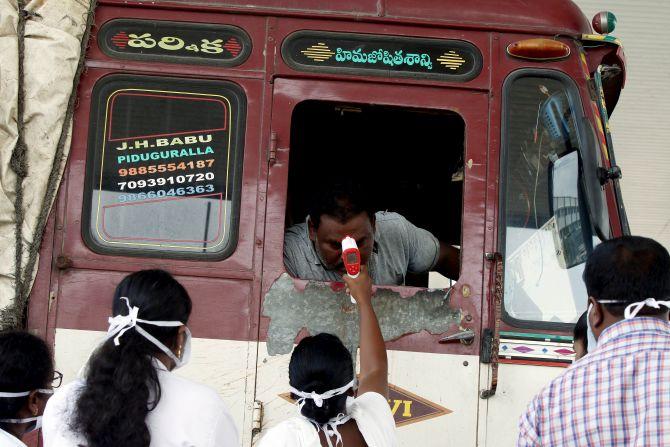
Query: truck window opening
(411, 161)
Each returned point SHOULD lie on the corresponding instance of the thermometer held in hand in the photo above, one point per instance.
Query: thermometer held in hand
(351, 257)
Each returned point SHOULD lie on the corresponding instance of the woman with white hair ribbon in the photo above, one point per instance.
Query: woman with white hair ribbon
(129, 396)
(321, 378)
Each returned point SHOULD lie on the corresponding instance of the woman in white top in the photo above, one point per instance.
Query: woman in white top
(129, 396)
(322, 381)
(27, 377)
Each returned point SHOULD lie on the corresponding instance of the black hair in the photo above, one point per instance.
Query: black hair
(321, 363)
(26, 364)
(580, 331)
(341, 200)
(121, 381)
(628, 269)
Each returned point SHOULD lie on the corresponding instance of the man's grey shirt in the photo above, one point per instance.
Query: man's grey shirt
(400, 247)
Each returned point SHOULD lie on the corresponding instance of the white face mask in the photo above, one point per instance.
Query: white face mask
(36, 419)
(185, 351)
(120, 324)
(634, 308)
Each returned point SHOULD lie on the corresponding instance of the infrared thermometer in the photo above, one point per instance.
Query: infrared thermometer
(351, 257)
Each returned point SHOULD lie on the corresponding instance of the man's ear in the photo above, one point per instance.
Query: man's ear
(311, 229)
(597, 315)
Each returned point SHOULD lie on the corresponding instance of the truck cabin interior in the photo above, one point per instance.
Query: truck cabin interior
(409, 160)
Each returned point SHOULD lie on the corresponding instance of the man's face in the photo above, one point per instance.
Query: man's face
(328, 239)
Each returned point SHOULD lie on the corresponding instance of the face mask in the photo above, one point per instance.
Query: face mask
(590, 336)
(185, 351)
(36, 419)
(634, 308)
(120, 324)
(631, 312)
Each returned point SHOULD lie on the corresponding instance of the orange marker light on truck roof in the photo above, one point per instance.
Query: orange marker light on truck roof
(539, 49)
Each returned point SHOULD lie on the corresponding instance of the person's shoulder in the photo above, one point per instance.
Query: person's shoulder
(64, 396)
(374, 419)
(389, 217)
(372, 399)
(7, 440)
(290, 432)
(296, 238)
(70, 388)
(390, 224)
(371, 404)
(59, 412)
(189, 392)
(297, 231)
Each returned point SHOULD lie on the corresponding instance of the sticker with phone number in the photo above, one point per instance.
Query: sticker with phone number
(172, 192)
(162, 181)
(170, 167)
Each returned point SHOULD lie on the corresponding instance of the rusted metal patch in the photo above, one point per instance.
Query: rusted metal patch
(319, 308)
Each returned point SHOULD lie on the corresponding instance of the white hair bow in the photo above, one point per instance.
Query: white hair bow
(120, 324)
(330, 427)
(319, 398)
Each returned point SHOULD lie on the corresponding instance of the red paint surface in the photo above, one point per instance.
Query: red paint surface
(535, 363)
(548, 16)
(220, 310)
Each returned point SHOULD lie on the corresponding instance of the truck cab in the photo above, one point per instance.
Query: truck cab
(202, 126)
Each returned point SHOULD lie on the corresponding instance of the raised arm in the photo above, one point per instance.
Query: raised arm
(374, 365)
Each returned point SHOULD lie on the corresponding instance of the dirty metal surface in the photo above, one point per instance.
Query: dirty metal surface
(322, 308)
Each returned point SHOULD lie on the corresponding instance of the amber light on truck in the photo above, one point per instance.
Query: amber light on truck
(539, 49)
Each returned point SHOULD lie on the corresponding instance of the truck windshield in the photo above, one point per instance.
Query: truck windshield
(547, 234)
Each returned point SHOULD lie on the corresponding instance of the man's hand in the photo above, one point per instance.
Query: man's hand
(361, 287)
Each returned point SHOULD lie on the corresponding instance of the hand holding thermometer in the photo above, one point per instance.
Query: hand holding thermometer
(351, 257)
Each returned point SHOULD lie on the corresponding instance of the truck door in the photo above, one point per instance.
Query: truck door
(163, 173)
(434, 393)
(553, 213)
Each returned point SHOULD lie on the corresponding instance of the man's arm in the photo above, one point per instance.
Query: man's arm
(427, 253)
(449, 261)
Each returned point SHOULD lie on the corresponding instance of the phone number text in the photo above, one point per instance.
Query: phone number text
(169, 167)
(162, 181)
(172, 192)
